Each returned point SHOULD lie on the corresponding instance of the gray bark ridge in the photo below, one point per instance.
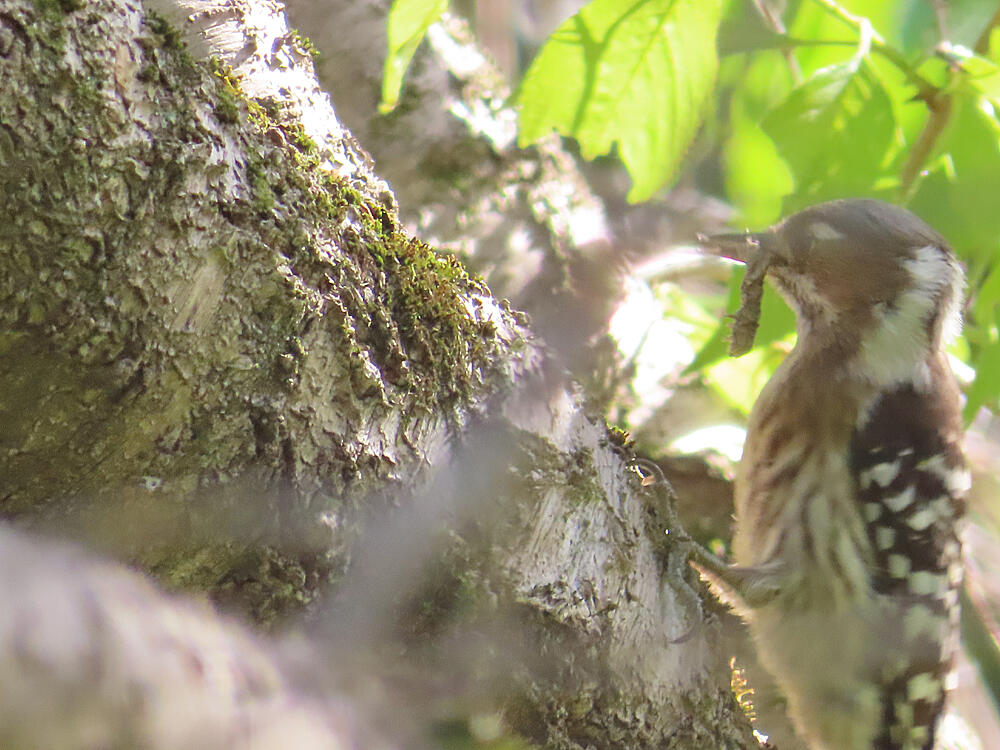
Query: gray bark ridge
(222, 359)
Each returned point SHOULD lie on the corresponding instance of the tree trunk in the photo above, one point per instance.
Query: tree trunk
(224, 363)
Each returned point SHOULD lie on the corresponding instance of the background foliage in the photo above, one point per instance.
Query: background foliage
(892, 99)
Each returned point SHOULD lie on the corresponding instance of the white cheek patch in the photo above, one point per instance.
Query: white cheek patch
(895, 350)
(938, 274)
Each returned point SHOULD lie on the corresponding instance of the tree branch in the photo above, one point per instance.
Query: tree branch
(225, 362)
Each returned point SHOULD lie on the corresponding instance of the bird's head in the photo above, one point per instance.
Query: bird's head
(860, 272)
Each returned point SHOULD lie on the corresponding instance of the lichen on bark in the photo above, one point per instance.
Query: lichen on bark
(224, 361)
(192, 298)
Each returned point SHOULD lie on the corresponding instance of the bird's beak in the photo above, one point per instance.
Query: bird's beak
(739, 246)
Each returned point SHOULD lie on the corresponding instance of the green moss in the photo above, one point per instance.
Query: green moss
(60, 7)
(172, 38)
(351, 196)
(227, 105)
(411, 320)
(426, 298)
(263, 196)
(302, 141)
(232, 98)
(446, 349)
(261, 582)
(166, 60)
(87, 93)
(620, 438)
(257, 115)
(425, 293)
(305, 44)
(48, 28)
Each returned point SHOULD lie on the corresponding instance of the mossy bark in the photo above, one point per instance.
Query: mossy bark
(201, 320)
(222, 360)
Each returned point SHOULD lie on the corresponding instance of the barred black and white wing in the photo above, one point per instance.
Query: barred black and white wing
(911, 480)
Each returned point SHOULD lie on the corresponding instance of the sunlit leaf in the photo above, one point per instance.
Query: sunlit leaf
(777, 321)
(984, 343)
(987, 301)
(716, 348)
(739, 381)
(958, 199)
(920, 29)
(834, 132)
(985, 387)
(636, 73)
(756, 177)
(958, 195)
(812, 22)
(750, 34)
(982, 73)
(407, 25)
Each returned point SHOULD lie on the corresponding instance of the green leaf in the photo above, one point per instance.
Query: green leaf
(985, 389)
(987, 300)
(958, 195)
(740, 381)
(920, 30)
(982, 73)
(715, 349)
(756, 177)
(983, 337)
(811, 21)
(957, 198)
(636, 73)
(749, 35)
(777, 321)
(717, 346)
(835, 132)
(407, 25)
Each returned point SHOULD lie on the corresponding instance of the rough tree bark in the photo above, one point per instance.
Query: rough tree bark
(223, 362)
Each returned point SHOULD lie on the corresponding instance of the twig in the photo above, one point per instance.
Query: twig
(941, 107)
(983, 43)
(773, 20)
(849, 18)
(926, 90)
(941, 11)
(940, 113)
(938, 103)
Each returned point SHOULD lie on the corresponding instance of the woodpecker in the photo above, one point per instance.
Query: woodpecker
(847, 561)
